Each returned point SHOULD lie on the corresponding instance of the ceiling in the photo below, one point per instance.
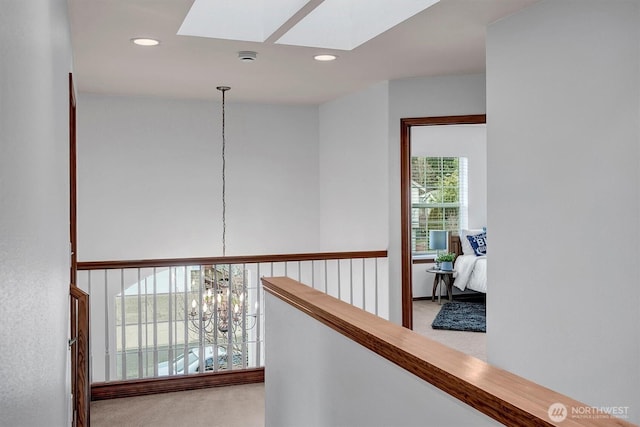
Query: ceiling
(447, 38)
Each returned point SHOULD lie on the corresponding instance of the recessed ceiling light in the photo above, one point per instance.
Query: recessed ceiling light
(247, 55)
(145, 42)
(325, 57)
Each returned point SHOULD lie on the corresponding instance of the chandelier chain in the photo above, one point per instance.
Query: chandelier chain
(224, 182)
(223, 89)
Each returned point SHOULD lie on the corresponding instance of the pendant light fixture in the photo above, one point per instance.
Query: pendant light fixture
(224, 89)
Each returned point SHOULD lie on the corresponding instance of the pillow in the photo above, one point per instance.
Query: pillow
(479, 243)
(467, 249)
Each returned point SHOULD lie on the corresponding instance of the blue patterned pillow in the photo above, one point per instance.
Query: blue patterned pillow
(479, 243)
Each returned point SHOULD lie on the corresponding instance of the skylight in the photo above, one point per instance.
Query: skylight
(345, 25)
(333, 24)
(245, 20)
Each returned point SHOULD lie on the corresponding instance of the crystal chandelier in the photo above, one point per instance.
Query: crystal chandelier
(223, 303)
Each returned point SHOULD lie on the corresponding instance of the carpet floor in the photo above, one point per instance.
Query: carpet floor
(471, 343)
(241, 406)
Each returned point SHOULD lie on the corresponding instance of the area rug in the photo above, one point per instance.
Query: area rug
(462, 316)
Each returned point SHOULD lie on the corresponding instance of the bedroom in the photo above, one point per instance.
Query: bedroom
(449, 192)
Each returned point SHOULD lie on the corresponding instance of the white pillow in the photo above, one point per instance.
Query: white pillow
(466, 246)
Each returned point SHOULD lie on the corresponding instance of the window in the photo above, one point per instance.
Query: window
(438, 198)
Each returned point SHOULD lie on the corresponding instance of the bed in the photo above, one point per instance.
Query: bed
(471, 269)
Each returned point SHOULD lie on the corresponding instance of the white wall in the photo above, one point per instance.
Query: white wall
(140, 159)
(420, 97)
(353, 171)
(315, 376)
(149, 178)
(34, 222)
(563, 92)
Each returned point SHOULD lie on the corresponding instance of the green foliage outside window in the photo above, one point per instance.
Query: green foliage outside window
(435, 198)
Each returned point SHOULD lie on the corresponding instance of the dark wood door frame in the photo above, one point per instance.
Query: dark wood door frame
(405, 198)
(73, 233)
(79, 301)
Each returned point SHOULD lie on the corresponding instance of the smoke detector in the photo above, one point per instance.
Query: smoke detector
(247, 55)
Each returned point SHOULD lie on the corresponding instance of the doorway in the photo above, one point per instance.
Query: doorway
(406, 126)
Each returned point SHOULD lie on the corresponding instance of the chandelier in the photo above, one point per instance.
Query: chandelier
(222, 309)
(223, 303)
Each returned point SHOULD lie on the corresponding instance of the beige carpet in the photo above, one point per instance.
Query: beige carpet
(241, 406)
(472, 343)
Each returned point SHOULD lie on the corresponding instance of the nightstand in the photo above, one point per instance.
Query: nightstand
(445, 277)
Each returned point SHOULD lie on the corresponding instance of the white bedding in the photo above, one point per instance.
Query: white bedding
(471, 272)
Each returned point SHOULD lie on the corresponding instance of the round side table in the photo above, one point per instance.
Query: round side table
(444, 276)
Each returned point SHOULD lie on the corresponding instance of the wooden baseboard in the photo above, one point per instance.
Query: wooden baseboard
(116, 389)
(468, 296)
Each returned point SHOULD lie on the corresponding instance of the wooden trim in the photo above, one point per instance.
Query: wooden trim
(73, 228)
(405, 215)
(80, 356)
(405, 198)
(248, 259)
(501, 395)
(469, 119)
(79, 301)
(112, 390)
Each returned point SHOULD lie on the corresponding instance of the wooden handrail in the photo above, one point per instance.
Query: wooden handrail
(502, 395)
(241, 259)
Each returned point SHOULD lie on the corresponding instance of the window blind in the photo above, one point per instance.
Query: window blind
(439, 198)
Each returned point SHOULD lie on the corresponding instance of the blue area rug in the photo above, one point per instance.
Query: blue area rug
(462, 316)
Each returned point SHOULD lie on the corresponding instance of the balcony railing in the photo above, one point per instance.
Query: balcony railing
(179, 317)
(381, 374)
